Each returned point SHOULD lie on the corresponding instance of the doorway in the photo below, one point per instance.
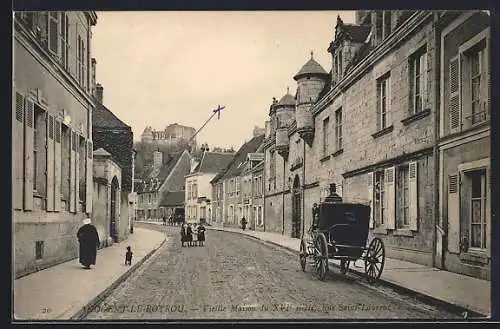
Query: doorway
(296, 208)
(113, 230)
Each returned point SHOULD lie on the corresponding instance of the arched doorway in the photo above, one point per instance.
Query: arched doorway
(296, 208)
(113, 229)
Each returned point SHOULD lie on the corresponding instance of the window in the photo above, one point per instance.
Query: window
(64, 39)
(39, 150)
(272, 171)
(418, 81)
(326, 122)
(53, 36)
(338, 129)
(237, 186)
(383, 101)
(387, 23)
(379, 192)
(402, 198)
(476, 181)
(476, 84)
(39, 248)
(82, 191)
(261, 222)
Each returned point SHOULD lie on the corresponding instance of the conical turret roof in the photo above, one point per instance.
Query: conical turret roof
(311, 67)
(287, 100)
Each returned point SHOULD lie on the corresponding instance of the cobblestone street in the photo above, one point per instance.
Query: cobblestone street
(237, 278)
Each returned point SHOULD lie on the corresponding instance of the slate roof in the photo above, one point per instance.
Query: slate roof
(287, 100)
(311, 67)
(213, 162)
(156, 178)
(356, 33)
(172, 199)
(169, 164)
(102, 117)
(236, 166)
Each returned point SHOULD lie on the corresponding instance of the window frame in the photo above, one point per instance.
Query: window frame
(338, 129)
(419, 56)
(403, 218)
(383, 101)
(326, 146)
(379, 177)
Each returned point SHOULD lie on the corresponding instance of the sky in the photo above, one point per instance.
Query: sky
(159, 68)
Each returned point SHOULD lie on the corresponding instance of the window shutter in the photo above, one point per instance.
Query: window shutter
(487, 76)
(17, 150)
(72, 170)
(57, 165)
(29, 117)
(50, 162)
(77, 171)
(454, 100)
(413, 195)
(370, 198)
(389, 195)
(423, 80)
(454, 213)
(89, 184)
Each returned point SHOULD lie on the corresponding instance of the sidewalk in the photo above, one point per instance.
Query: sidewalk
(61, 291)
(459, 291)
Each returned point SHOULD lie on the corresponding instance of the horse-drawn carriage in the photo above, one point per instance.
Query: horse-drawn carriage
(340, 232)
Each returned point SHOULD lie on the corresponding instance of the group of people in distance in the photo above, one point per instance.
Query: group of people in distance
(187, 232)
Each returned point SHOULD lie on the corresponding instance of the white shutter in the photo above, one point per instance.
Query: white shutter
(454, 213)
(17, 150)
(370, 198)
(89, 184)
(413, 195)
(50, 162)
(454, 95)
(77, 171)
(57, 165)
(29, 117)
(423, 80)
(390, 200)
(72, 170)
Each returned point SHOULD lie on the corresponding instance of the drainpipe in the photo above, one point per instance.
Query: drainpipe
(303, 187)
(437, 106)
(283, 198)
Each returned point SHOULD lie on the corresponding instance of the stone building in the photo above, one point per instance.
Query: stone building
(174, 134)
(236, 180)
(51, 135)
(371, 126)
(111, 224)
(167, 176)
(116, 138)
(464, 144)
(253, 190)
(198, 189)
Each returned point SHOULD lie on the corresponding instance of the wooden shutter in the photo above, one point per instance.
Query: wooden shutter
(57, 165)
(389, 195)
(50, 162)
(17, 151)
(77, 171)
(370, 198)
(454, 213)
(423, 80)
(413, 195)
(454, 95)
(89, 184)
(72, 171)
(29, 117)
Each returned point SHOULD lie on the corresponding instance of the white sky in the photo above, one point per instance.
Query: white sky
(159, 68)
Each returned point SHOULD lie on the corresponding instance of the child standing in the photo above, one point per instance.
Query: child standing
(128, 256)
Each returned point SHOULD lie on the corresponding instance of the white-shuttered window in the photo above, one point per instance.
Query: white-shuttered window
(383, 101)
(418, 81)
(476, 208)
(402, 197)
(379, 197)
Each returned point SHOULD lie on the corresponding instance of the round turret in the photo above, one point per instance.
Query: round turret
(285, 110)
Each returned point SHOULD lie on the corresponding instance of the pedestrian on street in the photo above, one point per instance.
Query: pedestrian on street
(164, 220)
(189, 232)
(201, 234)
(170, 220)
(243, 223)
(88, 238)
(183, 234)
(128, 256)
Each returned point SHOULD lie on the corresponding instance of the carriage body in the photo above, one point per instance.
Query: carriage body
(340, 232)
(345, 226)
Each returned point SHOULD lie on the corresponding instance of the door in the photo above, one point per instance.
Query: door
(113, 230)
(296, 208)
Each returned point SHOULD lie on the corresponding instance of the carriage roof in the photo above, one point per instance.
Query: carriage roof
(331, 213)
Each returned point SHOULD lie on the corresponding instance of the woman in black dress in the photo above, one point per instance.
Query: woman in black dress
(189, 232)
(183, 234)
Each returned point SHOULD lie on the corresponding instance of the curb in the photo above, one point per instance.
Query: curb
(447, 306)
(84, 311)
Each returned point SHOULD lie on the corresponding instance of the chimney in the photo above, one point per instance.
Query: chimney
(98, 93)
(157, 159)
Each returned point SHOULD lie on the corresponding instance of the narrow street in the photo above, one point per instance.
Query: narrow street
(233, 277)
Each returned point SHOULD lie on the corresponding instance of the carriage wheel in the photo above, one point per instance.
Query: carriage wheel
(344, 266)
(374, 260)
(303, 255)
(321, 256)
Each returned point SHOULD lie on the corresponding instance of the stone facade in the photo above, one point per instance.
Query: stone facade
(172, 135)
(51, 122)
(371, 127)
(465, 147)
